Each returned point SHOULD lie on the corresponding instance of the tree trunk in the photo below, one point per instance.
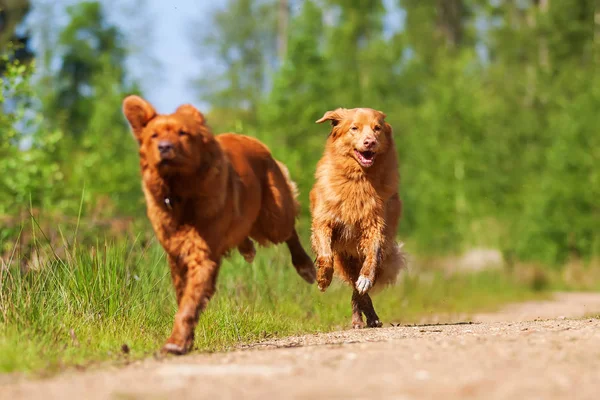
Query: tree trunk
(449, 21)
(283, 18)
(544, 58)
(540, 6)
(597, 33)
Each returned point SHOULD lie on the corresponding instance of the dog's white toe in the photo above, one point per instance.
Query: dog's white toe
(172, 348)
(363, 284)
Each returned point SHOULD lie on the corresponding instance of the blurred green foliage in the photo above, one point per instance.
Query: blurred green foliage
(494, 107)
(29, 170)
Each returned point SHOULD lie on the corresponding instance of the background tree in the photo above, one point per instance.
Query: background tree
(477, 92)
(12, 14)
(88, 43)
(243, 44)
(493, 105)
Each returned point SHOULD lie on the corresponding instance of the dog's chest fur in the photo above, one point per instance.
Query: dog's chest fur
(350, 205)
(351, 199)
(173, 211)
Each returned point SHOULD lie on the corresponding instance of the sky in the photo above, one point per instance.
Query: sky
(174, 21)
(172, 48)
(167, 63)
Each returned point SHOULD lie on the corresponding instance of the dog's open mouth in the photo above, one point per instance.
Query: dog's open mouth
(365, 158)
(167, 162)
(167, 158)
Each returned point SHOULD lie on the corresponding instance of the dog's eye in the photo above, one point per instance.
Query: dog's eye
(183, 133)
(154, 135)
(377, 128)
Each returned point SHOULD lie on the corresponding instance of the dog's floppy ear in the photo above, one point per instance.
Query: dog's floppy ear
(381, 114)
(334, 116)
(388, 127)
(192, 112)
(138, 112)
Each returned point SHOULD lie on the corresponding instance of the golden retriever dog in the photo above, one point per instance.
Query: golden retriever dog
(355, 207)
(206, 195)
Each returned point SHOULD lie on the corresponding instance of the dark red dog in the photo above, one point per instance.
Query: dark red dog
(206, 195)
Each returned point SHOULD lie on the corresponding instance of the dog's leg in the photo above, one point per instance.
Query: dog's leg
(200, 287)
(357, 319)
(179, 277)
(371, 245)
(301, 261)
(321, 242)
(364, 304)
(247, 250)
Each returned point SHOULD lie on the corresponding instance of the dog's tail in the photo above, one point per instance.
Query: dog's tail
(291, 184)
(393, 263)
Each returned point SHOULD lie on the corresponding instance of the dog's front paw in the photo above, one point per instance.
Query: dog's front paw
(172, 348)
(179, 343)
(324, 272)
(363, 284)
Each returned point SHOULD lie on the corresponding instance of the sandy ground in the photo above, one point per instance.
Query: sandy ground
(541, 350)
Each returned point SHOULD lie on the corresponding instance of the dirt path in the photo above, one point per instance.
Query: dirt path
(542, 350)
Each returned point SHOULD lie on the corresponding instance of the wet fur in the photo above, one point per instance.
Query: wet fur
(223, 192)
(356, 210)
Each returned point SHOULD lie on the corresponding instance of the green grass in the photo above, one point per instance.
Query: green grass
(81, 307)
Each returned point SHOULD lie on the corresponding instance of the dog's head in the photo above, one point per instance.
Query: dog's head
(360, 133)
(174, 143)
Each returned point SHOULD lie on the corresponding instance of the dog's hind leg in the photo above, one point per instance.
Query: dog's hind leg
(301, 261)
(247, 250)
(363, 303)
(278, 216)
(357, 318)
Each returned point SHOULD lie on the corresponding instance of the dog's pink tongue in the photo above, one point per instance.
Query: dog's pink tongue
(365, 160)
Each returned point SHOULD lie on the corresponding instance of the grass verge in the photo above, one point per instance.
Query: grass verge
(83, 306)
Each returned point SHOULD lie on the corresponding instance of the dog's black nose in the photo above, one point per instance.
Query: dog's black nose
(164, 146)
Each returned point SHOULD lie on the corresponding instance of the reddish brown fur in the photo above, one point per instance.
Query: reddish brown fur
(206, 195)
(356, 207)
